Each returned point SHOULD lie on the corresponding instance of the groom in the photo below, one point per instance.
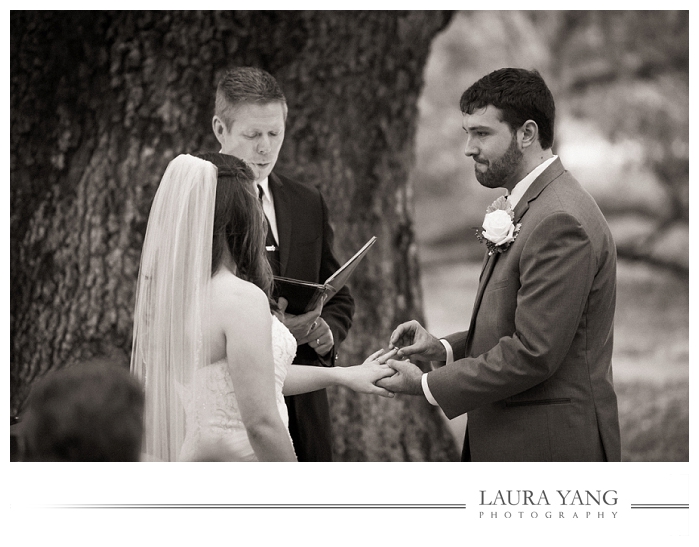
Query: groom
(533, 371)
(249, 120)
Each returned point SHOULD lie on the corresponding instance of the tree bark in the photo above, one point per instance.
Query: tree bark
(102, 101)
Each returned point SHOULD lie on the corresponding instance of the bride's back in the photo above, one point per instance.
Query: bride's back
(234, 301)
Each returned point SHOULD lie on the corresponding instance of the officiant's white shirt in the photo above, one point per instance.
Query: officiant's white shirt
(513, 199)
(268, 206)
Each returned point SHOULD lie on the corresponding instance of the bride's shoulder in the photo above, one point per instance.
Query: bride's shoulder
(232, 293)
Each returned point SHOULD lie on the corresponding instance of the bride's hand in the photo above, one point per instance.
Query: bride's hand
(362, 378)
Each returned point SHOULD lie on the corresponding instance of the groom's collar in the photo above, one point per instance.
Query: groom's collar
(551, 172)
(523, 185)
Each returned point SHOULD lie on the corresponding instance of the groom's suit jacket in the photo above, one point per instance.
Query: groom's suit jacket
(534, 369)
(306, 253)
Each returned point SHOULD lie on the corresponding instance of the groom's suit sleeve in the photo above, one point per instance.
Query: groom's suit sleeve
(556, 270)
(457, 341)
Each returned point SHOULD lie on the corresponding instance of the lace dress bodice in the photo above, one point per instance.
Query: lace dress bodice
(215, 430)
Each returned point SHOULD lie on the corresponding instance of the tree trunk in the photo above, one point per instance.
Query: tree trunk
(102, 101)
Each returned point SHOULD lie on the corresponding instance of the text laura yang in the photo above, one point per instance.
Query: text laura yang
(555, 497)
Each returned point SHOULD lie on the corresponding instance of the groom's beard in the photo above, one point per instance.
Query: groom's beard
(501, 170)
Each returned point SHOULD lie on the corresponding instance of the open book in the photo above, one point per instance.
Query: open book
(303, 296)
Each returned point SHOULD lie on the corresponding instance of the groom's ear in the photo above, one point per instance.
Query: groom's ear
(529, 133)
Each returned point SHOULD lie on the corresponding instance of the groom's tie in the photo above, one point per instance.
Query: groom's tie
(271, 244)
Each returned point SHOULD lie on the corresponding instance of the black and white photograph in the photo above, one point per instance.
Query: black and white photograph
(440, 258)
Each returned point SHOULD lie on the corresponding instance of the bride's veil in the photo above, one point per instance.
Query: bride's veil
(171, 298)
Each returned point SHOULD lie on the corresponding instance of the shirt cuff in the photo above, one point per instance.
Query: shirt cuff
(450, 351)
(428, 393)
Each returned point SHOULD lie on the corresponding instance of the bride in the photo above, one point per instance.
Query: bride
(212, 355)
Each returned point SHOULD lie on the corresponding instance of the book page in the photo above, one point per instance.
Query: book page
(340, 277)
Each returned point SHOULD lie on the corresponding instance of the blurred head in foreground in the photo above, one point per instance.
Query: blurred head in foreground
(88, 412)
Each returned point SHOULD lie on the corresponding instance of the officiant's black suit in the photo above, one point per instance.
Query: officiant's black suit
(306, 253)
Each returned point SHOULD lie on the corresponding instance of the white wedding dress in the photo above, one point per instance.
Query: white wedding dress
(214, 428)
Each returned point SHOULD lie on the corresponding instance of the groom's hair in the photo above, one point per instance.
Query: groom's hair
(520, 94)
(241, 85)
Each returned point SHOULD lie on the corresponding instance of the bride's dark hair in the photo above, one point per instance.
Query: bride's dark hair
(239, 223)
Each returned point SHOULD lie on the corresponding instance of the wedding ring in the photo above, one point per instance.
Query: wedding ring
(318, 341)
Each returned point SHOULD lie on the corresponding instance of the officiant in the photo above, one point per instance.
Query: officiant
(249, 121)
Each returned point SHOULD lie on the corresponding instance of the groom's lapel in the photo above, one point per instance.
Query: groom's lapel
(485, 276)
(485, 263)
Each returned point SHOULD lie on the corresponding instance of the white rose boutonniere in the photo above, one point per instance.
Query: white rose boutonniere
(499, 229)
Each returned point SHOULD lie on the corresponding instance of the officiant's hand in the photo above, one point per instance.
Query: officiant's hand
(319, 337)
(407, 378)
(411, 338)
(308, 328)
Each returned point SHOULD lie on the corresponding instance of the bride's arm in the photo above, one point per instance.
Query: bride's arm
(248, 331)
(361, 378)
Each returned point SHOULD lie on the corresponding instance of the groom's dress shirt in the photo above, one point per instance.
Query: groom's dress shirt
(513, 199)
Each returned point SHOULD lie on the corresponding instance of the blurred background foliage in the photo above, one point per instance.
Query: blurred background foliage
(621, 84)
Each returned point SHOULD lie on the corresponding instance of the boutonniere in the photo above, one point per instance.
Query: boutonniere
(499, 229)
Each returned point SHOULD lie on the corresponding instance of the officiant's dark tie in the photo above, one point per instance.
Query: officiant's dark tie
(270, 242)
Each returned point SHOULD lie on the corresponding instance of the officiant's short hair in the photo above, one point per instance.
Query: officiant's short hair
(520, 94)
(241, 85)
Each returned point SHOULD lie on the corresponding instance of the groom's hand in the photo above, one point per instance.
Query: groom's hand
(411, 338)
(407, 379)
